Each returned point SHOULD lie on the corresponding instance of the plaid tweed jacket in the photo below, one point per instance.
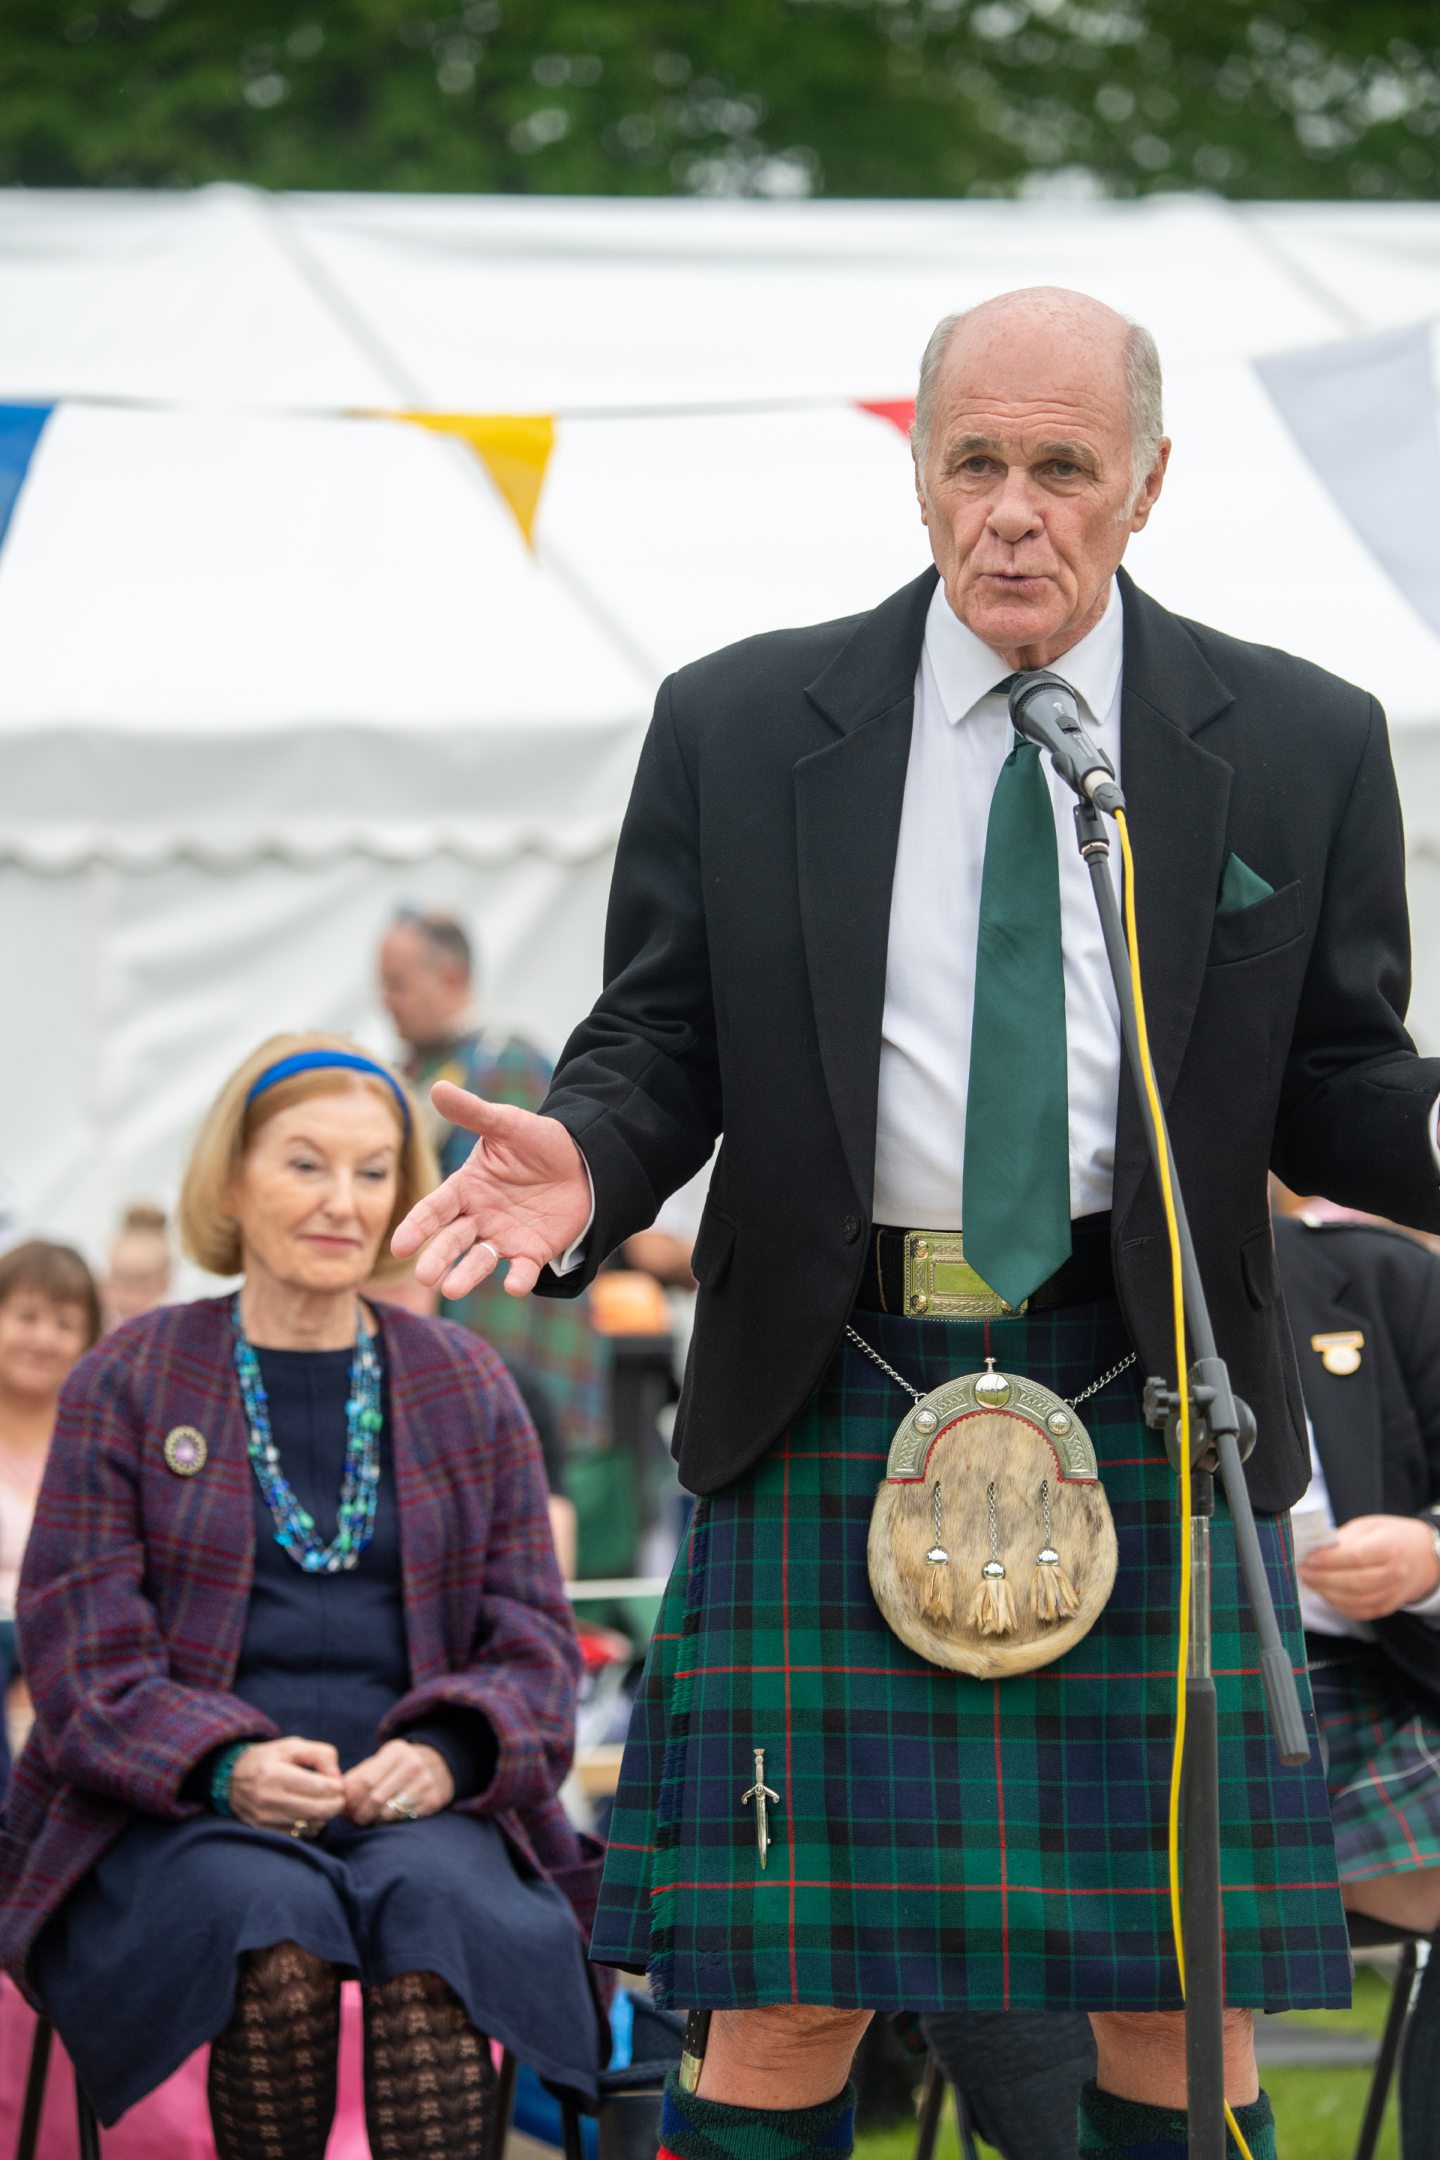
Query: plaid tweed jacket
(134, 1592)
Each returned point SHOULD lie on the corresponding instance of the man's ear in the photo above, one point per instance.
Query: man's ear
(920, 490)
(1149, 493)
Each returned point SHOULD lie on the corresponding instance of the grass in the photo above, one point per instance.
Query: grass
(1317, 2112)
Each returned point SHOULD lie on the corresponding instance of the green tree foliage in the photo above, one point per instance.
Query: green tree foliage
(1329, 98)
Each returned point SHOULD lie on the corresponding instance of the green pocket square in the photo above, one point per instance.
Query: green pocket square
(1240, 887)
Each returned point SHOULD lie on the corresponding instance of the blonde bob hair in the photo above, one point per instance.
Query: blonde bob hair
(208, 1231)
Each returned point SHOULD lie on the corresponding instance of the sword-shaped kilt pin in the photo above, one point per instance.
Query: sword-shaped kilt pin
(762, 1794)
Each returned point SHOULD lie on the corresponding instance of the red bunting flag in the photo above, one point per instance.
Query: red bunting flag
(900, 412)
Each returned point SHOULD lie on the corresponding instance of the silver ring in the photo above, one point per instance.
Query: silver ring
(401, 1807)
(493, 1249)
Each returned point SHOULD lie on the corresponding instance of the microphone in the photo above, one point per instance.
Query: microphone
(1043, 708)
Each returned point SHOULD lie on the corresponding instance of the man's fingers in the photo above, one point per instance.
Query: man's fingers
(523, 1276)
(449, 1246)
(476, 1265)
(425, 1218)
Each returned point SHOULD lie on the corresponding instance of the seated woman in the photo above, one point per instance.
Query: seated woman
(303, 1669)
(49, 1317)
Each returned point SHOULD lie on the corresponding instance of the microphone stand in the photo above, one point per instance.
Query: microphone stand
(1222, 1433)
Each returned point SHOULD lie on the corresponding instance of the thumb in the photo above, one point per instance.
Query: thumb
(459, 1107)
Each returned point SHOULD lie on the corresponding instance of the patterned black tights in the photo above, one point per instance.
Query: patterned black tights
(430, 2086)
(272, 2070)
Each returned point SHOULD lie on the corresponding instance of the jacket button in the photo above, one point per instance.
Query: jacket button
(850, 1228)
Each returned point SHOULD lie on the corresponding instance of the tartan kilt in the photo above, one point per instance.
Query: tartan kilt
(942, 1842)
(1384, 1765)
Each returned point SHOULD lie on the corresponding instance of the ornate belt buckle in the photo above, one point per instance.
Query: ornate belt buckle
(940, 1283)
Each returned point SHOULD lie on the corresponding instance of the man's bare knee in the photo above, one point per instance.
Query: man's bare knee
(787, 2055)
(778, 2036)
(1141, 2055)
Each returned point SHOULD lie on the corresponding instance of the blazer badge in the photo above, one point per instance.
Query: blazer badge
(1339, 1353)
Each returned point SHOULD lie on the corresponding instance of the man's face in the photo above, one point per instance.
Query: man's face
(1026, 486)
(421, 993)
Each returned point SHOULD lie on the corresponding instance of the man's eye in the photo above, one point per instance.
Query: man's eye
(1063, 468)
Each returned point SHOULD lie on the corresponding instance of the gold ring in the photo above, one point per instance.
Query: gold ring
(302, 1828)
(401, 1807)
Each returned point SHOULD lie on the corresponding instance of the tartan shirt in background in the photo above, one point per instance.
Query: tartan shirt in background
(555, 1338)
(137, 1581)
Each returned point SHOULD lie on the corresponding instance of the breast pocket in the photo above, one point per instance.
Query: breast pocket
(1275, 921)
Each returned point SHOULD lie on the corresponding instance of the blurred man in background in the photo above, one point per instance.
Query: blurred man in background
(427, 985)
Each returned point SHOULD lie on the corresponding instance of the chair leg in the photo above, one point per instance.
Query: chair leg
(35, 2089)
(86, 2125)
(968, 2149)
(570, 2123)
(1388, 2054)
(504, 2104)
(932, 2107)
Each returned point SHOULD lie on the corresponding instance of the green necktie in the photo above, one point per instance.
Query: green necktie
(1017, 1141)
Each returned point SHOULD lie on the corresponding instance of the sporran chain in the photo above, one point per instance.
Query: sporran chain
(1071, 1401)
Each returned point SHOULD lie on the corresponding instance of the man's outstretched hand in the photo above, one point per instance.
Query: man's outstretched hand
(523, 1196)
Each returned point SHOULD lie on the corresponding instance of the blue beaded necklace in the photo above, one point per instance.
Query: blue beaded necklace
(294, 1525)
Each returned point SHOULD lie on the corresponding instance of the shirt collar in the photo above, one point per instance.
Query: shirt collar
(965, 669)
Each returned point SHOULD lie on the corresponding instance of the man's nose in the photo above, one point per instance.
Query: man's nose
(1013, 513)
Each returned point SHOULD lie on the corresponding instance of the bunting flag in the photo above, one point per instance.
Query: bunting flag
(20, 429)
(1363, 413)
(514, 448)
(900, 412)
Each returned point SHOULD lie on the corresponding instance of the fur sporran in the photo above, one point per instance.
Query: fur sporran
(991, 1548)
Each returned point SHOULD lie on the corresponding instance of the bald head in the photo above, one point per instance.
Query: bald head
(1038, 452)
(1118, 352)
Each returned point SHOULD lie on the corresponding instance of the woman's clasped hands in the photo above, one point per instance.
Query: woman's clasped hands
(297, 1786)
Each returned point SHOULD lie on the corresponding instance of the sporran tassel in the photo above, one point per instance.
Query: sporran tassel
(1052, 1594)
(993, 1612)
(937, 1600)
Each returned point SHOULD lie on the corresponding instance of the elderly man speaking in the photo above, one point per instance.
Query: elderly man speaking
(849, 930)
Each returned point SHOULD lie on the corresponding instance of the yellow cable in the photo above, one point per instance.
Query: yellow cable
(1172, 1228)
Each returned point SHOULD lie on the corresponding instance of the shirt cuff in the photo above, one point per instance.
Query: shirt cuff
(570, 1259)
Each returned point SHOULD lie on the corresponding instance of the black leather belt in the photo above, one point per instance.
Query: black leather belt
(921, 1273)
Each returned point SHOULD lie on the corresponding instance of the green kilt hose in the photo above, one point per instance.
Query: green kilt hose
(941, 1842)
(1382, 1747)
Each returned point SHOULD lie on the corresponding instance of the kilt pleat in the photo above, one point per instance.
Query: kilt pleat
(942, 1842)
(1383, 1747)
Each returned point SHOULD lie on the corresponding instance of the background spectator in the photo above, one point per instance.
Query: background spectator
(137, 1274)
(49, 1316)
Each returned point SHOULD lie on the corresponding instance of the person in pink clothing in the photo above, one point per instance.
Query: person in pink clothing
(49, 1317)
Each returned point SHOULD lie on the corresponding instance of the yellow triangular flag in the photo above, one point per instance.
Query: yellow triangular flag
(514, 448)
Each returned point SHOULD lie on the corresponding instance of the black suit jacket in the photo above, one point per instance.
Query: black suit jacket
(745, 985)
(1377, 1430)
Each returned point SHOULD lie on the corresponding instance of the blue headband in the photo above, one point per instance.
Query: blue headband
(321, 1060)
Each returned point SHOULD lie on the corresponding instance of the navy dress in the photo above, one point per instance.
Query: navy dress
(138, 1967)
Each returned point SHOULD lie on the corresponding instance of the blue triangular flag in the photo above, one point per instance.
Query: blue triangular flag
(20, 430)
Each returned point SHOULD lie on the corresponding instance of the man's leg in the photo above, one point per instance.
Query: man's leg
(1137, 2103)
(773, 2086)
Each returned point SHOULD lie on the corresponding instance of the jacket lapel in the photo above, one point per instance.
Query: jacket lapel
(1344, 1407)
(848, 799)
(1177, 795)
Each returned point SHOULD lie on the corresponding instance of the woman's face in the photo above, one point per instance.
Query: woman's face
(316, 1191)
(39, 1342)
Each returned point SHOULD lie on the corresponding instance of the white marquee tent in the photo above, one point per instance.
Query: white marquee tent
(269, 668)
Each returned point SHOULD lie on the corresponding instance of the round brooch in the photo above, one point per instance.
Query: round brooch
(185, 1450)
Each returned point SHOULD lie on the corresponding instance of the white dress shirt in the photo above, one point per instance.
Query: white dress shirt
(961, 737)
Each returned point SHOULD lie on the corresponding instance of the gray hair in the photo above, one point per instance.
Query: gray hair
(1142, 384)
